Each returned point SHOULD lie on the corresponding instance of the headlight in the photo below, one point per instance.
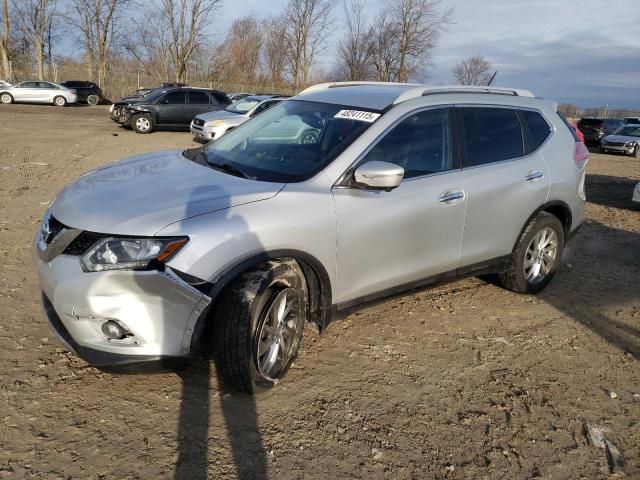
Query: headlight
(112, 107)
(130, 253)
(218, 123)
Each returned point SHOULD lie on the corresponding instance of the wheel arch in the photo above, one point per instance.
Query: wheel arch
(316, 277)
(558, 208)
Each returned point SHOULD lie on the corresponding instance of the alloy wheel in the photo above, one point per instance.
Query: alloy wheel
(277, 332)
(143, 124)
(540, 255)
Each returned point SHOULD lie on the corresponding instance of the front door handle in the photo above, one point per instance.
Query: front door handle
(451, 196)
(534, 175)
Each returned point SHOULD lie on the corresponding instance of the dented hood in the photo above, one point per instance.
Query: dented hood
(141, 195)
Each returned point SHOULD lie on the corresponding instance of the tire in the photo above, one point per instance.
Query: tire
(536, 274)
(636, 152)
(142, 123)
(251, 351)
(59, 101)
(93, 99)
(6, 98)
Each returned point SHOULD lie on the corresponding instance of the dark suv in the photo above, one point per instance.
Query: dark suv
(88, 92)
(168, 107)
(594, 129)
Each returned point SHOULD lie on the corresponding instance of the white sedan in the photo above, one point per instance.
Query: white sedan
(38, 92)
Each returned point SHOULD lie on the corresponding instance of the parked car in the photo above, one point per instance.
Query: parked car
(167, 107)
(212, 125)
(88, 92)
(234, 97)
(240, 242)
(594, 129)
(38, 92)
(624, 140)
(631, 120)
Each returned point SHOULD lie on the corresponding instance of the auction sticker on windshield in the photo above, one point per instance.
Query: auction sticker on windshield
(360, 115)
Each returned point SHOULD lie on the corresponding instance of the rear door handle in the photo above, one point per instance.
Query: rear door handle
(534, 175)
(451, 196)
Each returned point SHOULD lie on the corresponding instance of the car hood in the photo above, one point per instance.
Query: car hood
(621, 138)
(220, 115)
(141, 195)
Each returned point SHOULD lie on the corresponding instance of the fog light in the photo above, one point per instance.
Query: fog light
(113, 330)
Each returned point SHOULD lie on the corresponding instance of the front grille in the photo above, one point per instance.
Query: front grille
(615, 144)
(83, 242)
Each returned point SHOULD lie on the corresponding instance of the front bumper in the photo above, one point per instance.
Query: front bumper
(626, 149)
(159, 309)
(206, 133)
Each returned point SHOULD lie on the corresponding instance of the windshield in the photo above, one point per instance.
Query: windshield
(629, 131)
(289, 142)
(243, 105)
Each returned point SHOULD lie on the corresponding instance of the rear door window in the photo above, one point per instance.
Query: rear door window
(491, 135)
(198, 98)
(537, 129)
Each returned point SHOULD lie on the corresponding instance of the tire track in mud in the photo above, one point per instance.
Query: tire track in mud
(26, 175)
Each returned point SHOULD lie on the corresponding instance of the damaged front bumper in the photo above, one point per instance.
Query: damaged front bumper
(158, 310)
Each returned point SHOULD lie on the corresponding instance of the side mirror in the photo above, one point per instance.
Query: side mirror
(379, 175)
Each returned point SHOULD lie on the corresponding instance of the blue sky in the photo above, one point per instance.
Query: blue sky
(580, 51)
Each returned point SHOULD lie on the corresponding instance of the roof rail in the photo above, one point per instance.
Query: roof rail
(433, 90)
(324, 86)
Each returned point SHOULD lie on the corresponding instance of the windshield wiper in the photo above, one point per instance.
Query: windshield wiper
(230, 169)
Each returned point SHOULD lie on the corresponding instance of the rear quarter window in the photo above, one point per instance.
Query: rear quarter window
(491, 135)
(536, 128)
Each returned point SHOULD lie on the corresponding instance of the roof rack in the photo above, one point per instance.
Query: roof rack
(420, 90)
(324, 86)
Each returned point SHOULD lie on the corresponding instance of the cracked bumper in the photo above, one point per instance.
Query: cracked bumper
(159, 309)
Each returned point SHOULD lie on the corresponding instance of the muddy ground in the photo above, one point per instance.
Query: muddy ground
(461, 381)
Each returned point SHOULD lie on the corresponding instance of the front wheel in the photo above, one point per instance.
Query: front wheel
(536, 256)
(6, 98)
(636, 151)
(142, 123)
(59, 101)
(93, 99)
(258, 325)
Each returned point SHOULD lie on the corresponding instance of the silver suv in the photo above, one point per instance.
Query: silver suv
(235, 245)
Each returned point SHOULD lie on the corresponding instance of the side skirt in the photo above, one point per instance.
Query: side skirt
(483, 268)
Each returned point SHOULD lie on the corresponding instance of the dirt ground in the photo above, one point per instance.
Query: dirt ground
(461, 381)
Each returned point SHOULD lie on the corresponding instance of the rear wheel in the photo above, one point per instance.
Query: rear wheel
(6, 98)
(258, 325)
(536, 256)
(93, 99)
(59, 101)
(142, 123)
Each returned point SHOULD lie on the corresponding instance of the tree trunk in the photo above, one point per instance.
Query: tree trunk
(4, 46)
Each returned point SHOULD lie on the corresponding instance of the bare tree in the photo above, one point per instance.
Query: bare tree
(418, 24)
(96, 20)
(149, 44)
(242, 45)
(4, 41)
(34, 19)
(354, 51)
(273, 53)
(473, 71)
(185, 21)
(308, 23)
(384, 49)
